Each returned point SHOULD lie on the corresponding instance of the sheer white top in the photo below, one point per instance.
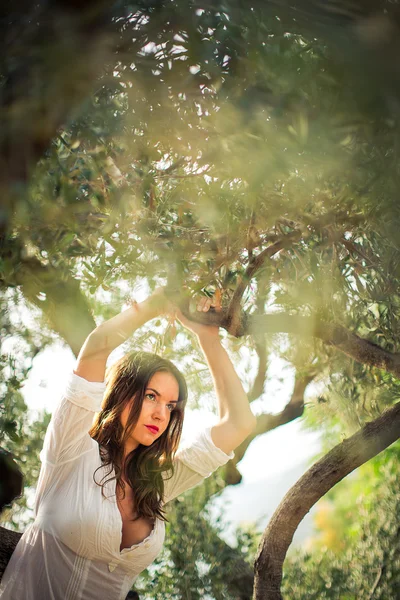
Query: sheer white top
(72, 549)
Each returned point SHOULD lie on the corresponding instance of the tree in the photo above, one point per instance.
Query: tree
(367, 563)
(223, 150)
(332, 468)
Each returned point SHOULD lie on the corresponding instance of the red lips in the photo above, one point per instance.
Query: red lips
(152, 428)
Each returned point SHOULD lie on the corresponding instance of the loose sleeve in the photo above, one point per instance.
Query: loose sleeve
(67, 436)
(193, 463)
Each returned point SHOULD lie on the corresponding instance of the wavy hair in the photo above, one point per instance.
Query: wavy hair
(128, 379)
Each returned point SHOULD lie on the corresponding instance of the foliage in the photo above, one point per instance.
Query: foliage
(195, 563)
(20, 435)
(207, 141)
(360, 558)
(213, 136)
(366, 561)
(202, 148)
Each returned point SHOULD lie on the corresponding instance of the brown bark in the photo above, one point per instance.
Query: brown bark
(233, 314)
(331, 334)
(334, 335)
(315, 483)
(259, 380)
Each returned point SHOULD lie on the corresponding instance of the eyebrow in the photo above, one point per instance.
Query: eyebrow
(158, 394)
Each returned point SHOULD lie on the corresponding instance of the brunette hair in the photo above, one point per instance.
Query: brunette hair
(128, 379)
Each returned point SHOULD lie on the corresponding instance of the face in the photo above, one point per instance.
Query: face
(161, 397)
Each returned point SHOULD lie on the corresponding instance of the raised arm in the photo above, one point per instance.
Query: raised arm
(92, 359)
(236, 419)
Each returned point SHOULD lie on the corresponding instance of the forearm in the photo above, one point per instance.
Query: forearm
(233, 403)
(92, 359)
(113, 332)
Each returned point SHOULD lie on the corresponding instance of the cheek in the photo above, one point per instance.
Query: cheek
(168, 420)
(125, 415)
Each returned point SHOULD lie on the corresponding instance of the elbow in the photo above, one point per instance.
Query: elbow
(97, 344)
(246, 426)
(250, 424)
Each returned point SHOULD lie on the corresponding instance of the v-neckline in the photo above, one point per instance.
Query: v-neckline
(121, 524)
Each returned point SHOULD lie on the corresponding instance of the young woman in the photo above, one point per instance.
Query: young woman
(109, 464)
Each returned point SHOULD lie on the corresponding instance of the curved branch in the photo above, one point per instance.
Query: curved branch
(233, 316)
(315, 483)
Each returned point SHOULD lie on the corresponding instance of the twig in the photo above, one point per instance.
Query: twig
(253, 267)
(376, 582)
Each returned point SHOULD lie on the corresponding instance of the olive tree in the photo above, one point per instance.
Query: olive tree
(223, 150)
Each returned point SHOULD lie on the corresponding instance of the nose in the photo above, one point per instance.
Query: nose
(160, 412)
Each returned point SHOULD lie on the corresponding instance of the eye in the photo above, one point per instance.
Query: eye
(171, 407)
(150, 396)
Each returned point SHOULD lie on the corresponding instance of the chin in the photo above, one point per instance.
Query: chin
(148, 442)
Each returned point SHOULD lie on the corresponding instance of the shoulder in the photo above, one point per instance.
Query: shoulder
(83, 393)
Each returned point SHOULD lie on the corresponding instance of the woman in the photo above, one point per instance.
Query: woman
(104, 481)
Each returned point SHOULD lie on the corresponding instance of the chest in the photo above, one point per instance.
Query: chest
(133, 532)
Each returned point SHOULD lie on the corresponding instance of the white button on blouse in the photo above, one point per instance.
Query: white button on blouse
(72, 549)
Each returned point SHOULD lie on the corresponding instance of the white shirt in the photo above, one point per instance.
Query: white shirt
(72, 549)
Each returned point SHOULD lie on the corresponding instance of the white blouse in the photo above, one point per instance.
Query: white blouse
(72, 549)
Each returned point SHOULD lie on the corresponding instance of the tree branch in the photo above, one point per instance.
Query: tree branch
(59, 298)
(259, 380)
(315, 483)
(56, 293)
(376, 582)
(352, 345)
(233, 316)
(334, 335)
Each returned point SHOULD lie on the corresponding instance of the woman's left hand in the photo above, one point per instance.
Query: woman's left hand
(203, 305)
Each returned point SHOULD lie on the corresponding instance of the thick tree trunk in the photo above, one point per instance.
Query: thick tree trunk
(315, 483)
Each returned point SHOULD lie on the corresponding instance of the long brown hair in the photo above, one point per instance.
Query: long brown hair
(128, 379)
